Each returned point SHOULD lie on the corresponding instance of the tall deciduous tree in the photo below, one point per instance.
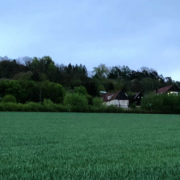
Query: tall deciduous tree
(115, 73)
(101, 71)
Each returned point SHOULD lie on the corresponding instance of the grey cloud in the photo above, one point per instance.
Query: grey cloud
(134, 33)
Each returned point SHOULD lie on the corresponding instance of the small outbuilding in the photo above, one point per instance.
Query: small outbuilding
(136, 98)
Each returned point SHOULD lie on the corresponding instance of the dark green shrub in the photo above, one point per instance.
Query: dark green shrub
(61, 108)
(96, 109)
(89, 99)
(76, 102)
(49, 108)
(162, 103)
(80, 90)
(28, 91)
(9, 87)
(132, 106)
(93, 109)
(78, 109)
(56, 92)
(98, 102)
(8, 98)
(54, 108)
(11, 107)
(136, 110)
(32, 91)
(34, 107)
(102, 109)
(2, 107)
(112, 109)
(53, 91)
(19, 107)
(47, 102)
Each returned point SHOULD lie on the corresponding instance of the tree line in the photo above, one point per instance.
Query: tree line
(40, 70)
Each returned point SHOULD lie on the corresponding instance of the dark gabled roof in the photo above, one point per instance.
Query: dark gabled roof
(172, 87)
(137, 94)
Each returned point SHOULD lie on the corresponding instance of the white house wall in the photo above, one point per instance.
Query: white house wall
(173, 92)
(121, 103)
(124, 103)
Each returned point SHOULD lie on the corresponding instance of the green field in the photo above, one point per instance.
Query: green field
(89, 146)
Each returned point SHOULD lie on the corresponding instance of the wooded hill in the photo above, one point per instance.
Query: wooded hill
(104, 79)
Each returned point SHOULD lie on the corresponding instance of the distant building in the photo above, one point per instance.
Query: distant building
(172, 89)
(119, 99)
(136, 98)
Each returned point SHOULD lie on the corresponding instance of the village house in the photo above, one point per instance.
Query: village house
(119, 99)
(171, 89)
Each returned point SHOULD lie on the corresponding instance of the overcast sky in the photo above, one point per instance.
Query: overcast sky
(135, 33)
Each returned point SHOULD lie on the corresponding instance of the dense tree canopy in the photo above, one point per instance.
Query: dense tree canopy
(34, 73)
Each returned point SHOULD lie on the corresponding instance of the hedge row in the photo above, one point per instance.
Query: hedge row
(32, 107)
(38, 107)
(162, 103)
(41, 107)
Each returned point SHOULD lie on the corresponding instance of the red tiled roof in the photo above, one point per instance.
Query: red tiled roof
(164, 89)
(111, 96)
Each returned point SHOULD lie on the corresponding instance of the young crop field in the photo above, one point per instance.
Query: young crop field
(36, 146)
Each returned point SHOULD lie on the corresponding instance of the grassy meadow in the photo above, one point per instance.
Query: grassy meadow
(89, 146)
